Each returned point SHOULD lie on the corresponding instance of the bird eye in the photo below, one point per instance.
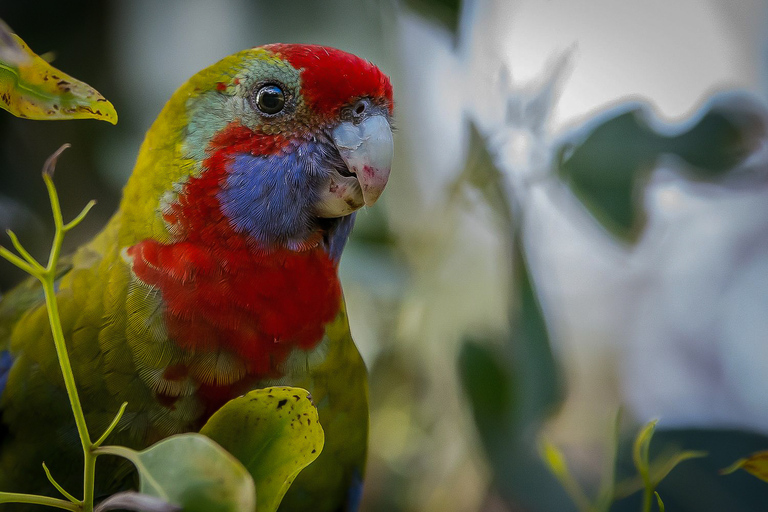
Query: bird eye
(270, 99)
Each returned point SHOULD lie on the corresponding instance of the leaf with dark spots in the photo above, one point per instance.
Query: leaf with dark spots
(24, 77)
(273, 446)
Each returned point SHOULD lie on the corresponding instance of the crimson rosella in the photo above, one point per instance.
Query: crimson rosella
(217, 274)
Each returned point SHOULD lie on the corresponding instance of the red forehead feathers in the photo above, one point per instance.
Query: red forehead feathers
(332, 78)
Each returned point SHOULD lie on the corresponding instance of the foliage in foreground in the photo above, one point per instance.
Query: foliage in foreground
(268, 442)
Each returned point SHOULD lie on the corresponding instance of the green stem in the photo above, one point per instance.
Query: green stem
(111, 426)
(61, 348)
(119, 451)
(58, 221)
(69, 381)
(13, 497)
(647, 499)
(32, 261)
(47, 276)
(59, 487)
(23, 265)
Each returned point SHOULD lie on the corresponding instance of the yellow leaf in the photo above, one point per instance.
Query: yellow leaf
(553, 457)
(756, 464)
(33, 89)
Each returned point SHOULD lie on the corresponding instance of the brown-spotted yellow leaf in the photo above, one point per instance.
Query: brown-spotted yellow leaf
(756, 464)
(33, 89)
(274, 432)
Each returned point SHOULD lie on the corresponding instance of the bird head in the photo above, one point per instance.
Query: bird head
(276, 144)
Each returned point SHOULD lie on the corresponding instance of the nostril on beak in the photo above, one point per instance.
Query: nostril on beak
(360, 107)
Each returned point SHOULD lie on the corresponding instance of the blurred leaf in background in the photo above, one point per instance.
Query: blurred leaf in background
(513, 384)
(756, 465)
(697, 485)
(608, 162)
(445, 12)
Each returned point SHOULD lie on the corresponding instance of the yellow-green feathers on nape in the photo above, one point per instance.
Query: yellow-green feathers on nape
(179, 140)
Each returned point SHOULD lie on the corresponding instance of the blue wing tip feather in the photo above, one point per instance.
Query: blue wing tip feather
(5, 368)
(354, 493)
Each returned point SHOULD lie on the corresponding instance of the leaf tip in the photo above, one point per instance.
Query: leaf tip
(733, 467)
(50, 164)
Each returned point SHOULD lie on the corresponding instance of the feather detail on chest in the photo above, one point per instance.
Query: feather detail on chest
(257, 282)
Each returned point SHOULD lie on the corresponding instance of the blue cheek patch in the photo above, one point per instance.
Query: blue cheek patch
(6, 361)
(272, 198)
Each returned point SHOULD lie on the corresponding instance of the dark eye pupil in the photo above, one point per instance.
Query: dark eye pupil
(270, 99)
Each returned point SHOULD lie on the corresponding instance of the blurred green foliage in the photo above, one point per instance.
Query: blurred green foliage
(445, 12)
(608, 167)
(513, 383)
(698, 485)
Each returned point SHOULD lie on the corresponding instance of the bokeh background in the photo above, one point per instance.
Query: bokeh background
(577, 222)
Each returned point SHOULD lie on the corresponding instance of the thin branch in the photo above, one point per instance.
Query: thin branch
(23, 265)
(20, 248)
(59, 487)
(14, 497)
(111, 426)
(80, 216)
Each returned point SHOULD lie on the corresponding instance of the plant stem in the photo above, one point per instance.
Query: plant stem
(69, 378)
(13, 497)
(47, 276)
(647, 499)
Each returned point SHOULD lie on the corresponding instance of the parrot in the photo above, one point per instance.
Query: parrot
(217, 274)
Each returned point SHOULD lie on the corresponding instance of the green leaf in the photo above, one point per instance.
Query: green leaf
(641, 448)
(653, 473)
(445, 12)
(603, 167)
(662, 466)
(607, 162)
(487, 384)
(274, 432)
(756, 465)
(659, 502)
(555, 460)
(192, 471)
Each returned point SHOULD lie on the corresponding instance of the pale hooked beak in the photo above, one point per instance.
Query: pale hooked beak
(367, 149)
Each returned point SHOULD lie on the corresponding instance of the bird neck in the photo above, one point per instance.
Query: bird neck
(223, 286)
